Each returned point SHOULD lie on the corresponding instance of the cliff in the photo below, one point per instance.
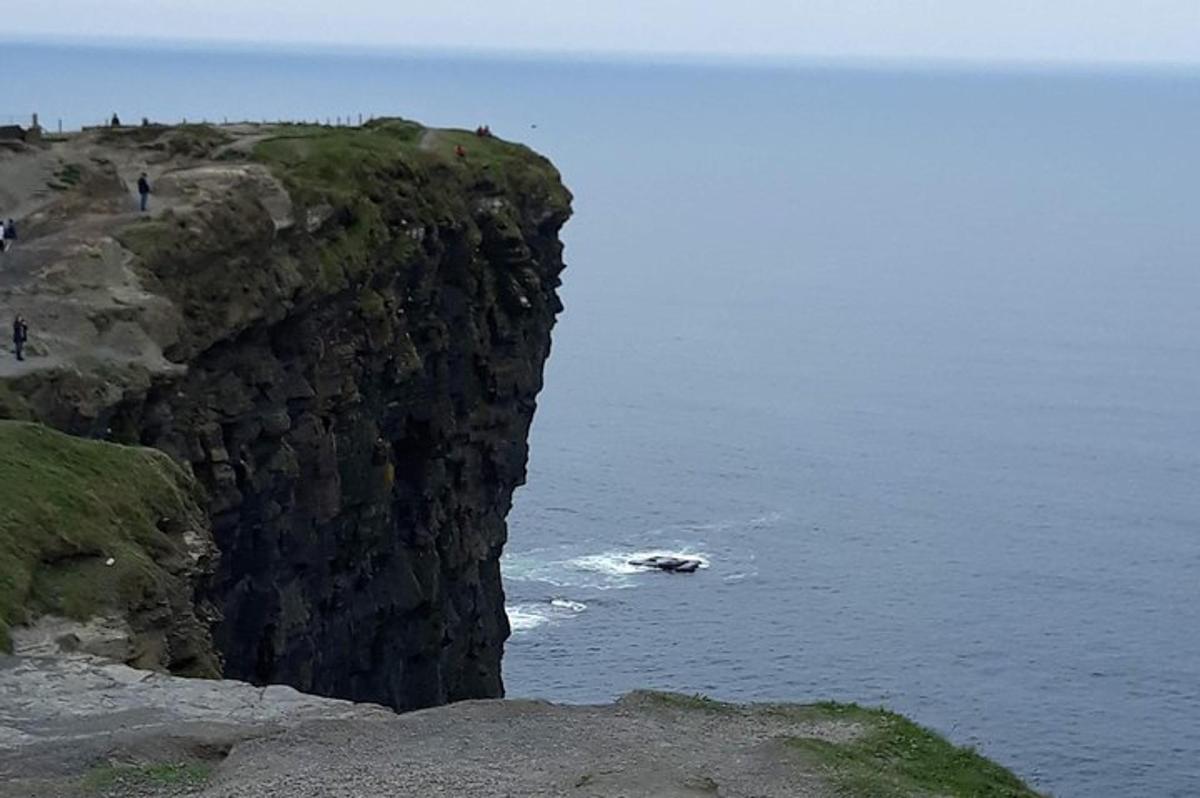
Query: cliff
(340, 334)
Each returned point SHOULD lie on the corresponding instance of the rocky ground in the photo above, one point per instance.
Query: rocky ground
(76, 727)
(69, 274)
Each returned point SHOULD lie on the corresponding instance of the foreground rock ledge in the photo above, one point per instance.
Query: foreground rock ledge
(79, 727)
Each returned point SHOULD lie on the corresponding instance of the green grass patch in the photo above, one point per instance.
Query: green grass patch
(334, 164)
(377, 181)
(896, 758)
(67, 505)
(889, 757)
(109, 778)
(503, 164)
(69, 174)
(682, 701)
(153, 238)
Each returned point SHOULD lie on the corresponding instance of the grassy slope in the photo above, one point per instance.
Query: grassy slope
(892, 757)
(66, 506)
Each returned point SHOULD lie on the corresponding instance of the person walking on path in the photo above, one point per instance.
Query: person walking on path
(144, 191)
(10, 234)
(20, 336)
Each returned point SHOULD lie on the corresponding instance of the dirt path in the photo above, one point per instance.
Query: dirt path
(429, 140)
(68, 275)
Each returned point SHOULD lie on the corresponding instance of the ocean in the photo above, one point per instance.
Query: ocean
(910, 357)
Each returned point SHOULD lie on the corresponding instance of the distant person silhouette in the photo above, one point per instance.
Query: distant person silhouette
(10, 234)
(20, 336)
(116, 120)
(143, 191)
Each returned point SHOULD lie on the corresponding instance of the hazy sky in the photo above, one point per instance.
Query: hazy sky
(1021, 30)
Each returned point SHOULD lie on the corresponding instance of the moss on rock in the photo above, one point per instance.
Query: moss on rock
(893, 757)
(875, 754)
(89, 528)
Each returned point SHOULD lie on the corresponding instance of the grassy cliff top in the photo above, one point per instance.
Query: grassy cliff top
(332, 164)
(68, 505)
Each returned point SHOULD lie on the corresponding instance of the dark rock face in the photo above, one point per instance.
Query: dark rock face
(361, 462)
(356, 401)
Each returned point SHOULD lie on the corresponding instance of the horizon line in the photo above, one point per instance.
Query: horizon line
(618, 57)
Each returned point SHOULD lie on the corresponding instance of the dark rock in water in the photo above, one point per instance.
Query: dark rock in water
(674, 565)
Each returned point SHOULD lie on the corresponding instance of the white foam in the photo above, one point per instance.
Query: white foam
(612, 563)
(741, 576)
(530, 615)
(524, 617)
(608, 570)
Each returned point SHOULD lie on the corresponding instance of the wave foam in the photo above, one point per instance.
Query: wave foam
(524, 617)
(530, 615)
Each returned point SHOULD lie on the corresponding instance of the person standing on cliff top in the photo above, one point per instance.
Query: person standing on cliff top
(143, 191)
(20, 336)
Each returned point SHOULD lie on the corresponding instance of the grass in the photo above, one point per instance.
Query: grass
(381, 177)
(890, 757)
(154, 238)
(65, 177)
(896, 758)
(333, 165)
(107, 778)
(510, 167)
(683, 701)
(67, 505)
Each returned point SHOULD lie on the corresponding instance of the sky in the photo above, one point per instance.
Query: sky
(1091, 31)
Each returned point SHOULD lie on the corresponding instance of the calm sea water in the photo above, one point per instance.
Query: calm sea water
(912, 359)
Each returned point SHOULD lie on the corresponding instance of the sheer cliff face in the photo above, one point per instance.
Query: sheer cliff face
(351, 371)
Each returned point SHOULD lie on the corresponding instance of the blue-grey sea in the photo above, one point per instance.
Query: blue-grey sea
(910, 357)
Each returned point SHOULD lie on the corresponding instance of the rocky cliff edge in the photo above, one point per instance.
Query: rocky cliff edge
(339, 334)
